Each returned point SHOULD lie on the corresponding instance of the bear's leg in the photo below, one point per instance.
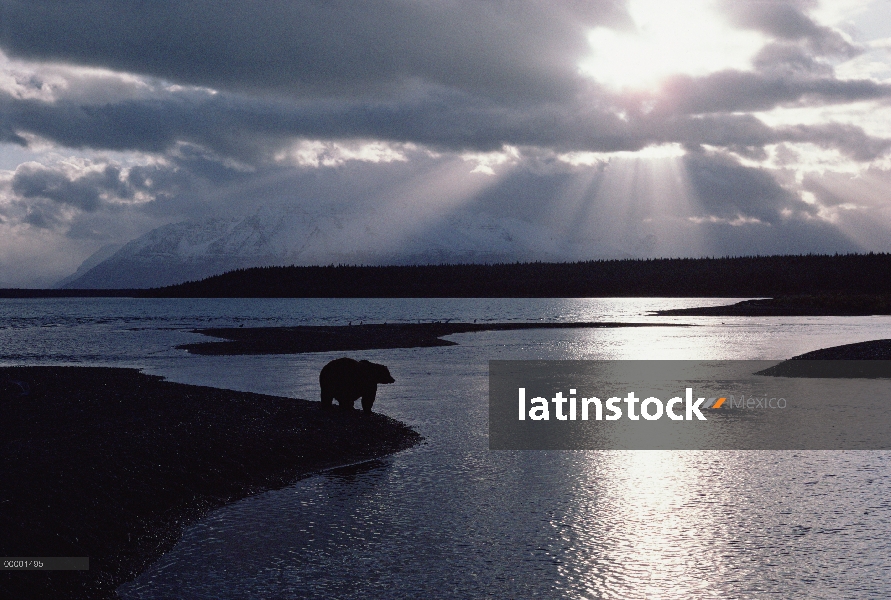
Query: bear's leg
(368, 399)
(346, 404)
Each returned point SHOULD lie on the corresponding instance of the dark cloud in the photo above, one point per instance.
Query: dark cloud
(9, 136)
(446, 74)
(312, 49)
(787, 20)
(41, 216)
(714, 130)
(85, 192)
(849, 139)
(152, 125)
(203, 129)
(790, 60)
(740, 91)
(98, 201)
(246, 127)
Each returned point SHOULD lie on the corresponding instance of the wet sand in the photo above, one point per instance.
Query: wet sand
(870, 359)
(794, 306)
(112, 464)
(352, 338)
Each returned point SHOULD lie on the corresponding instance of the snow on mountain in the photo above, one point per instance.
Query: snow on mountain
(280, 235)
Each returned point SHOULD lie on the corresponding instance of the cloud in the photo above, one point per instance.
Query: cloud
(738, 91)
(787, 20)
(319, 49)
(168, 111)
(790, 59)
(86, 192)
(51, 196)
(251, 130)
(462, 76)
(849, 139)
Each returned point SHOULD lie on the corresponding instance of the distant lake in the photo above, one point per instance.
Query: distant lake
(450, 518)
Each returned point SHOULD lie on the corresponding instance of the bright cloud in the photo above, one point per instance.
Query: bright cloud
(319, 153)
(668, 38)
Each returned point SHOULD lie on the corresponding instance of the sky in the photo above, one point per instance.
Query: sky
(638, 127)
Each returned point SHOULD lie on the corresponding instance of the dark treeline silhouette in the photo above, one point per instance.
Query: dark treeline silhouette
(747, 276)
(751, 276)
(37, 293)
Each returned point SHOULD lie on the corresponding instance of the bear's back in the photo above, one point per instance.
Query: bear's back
(345, 376)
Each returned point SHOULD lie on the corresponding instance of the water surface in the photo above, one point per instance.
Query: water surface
(450, 518)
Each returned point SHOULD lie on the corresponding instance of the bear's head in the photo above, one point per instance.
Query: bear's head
(380, 373)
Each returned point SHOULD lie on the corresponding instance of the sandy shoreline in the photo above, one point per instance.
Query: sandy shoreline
(869, 360)
(352, 338)
(828, 305)
(112, 464)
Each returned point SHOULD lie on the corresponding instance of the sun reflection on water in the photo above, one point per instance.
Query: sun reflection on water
(643, 518)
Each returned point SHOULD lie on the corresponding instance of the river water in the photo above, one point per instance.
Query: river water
(452, 519)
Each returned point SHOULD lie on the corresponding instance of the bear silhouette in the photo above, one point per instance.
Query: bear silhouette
(346, 380)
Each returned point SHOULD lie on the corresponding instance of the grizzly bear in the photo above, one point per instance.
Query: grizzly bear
(347, 380)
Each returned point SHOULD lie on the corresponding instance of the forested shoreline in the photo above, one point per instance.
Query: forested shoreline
(751, 276)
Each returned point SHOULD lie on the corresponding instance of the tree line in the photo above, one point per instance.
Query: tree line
(746, 276)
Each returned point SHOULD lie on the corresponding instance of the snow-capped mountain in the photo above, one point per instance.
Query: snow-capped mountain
(287, 236)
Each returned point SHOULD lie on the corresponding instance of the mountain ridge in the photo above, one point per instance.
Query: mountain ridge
(285, 236)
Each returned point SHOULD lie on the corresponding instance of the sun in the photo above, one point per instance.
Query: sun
(678, 37)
